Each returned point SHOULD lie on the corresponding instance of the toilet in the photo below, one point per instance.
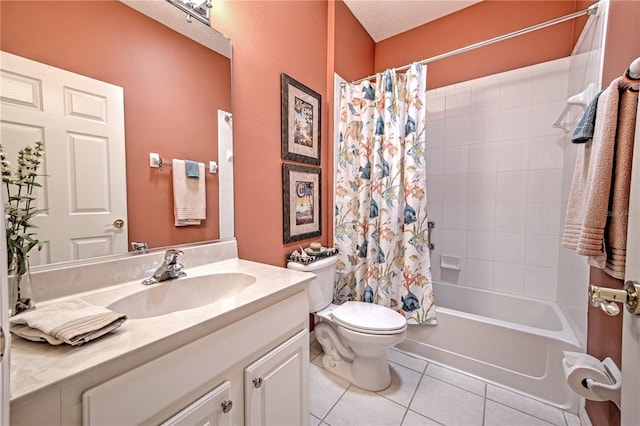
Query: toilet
(355, 336)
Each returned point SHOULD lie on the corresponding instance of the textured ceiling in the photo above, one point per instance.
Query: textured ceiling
(385, 18)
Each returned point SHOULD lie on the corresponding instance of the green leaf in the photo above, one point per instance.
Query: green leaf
(31, 245)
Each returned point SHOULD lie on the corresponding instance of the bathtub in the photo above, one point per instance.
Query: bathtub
(508, 340)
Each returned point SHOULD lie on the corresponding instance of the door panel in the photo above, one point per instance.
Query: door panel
(81, 123)
(89, 174)
(277, 386)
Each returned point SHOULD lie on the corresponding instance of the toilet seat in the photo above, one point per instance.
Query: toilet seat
(368, 318)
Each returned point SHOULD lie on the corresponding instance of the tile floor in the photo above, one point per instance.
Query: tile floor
(423, 393)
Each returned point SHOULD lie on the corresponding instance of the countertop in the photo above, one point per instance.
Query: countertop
(35, 366)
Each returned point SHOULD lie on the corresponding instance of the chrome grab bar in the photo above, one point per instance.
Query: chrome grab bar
(430, 226)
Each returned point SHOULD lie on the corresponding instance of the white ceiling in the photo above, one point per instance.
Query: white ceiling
(385, 18)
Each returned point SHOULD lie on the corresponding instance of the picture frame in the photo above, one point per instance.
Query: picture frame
(302, 203)
(301, 122)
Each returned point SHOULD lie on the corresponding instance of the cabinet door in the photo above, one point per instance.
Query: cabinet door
(213, 409)
(277, 385)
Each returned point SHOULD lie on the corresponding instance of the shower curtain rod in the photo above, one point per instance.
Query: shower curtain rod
(591, 10)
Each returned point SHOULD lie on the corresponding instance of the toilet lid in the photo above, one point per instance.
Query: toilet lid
(369, 318)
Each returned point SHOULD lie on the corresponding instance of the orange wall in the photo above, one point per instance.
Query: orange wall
(354, 47)
(351, 56)
(482, 21)
(161, 71)
(269, 38)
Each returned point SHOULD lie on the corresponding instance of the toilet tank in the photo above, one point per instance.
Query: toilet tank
(322, 287)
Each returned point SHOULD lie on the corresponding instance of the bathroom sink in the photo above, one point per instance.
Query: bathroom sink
(181, 294)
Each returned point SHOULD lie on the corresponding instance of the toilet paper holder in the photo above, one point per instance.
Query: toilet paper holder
(591, 375)
(607, 392)
(605, 298)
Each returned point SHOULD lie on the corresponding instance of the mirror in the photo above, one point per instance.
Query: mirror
(176, 80)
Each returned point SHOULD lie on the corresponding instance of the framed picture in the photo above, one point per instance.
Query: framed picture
(301, 202)
(300, 122)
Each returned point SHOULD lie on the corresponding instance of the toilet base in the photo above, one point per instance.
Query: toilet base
(367, 374)
(369, 371)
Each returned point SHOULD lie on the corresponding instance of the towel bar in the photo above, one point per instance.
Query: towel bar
(157, 162)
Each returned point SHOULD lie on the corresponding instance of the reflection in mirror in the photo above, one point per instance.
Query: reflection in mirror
(176, 94)
(198, 9)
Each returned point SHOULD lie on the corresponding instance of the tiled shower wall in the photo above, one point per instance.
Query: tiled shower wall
(495, 177)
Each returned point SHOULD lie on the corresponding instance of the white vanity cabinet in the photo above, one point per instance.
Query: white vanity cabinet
(276, 386)
(273, 343)
(276, 391)
(197, 379)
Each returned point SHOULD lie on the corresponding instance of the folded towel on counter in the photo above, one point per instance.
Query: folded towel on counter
(192, 168)
(584, 130)
(189, 195)
(590, 208)
(72, 321)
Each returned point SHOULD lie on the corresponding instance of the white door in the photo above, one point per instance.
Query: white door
(631, 323)
(81, 123)
(5, 338)
(277, 385)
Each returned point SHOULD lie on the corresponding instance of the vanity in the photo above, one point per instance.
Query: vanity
(242, 358)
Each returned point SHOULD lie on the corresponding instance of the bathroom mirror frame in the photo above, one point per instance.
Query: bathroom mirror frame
(170, 16)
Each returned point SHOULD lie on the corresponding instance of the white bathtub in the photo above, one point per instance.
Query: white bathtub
(509, 340)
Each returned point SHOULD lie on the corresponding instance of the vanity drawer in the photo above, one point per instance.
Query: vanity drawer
(213, 409)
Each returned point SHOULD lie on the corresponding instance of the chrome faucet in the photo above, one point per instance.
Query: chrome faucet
(169, 270)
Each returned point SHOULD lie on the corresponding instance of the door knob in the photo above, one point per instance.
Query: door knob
(226, 406)
(605, 297)
(118, 223)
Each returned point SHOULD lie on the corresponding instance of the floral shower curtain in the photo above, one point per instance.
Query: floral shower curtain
(381, 201)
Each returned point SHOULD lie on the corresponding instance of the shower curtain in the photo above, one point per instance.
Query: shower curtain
(381, 227)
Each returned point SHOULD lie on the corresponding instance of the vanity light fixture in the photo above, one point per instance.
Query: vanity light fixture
(198, 9)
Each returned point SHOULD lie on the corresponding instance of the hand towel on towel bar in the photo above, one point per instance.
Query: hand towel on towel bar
(598, 164)
(189, 195)
(583, 132)
(72, 321)
(192, 168)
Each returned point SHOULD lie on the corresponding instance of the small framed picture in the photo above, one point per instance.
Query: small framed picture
(301, 202)
(300, 122)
